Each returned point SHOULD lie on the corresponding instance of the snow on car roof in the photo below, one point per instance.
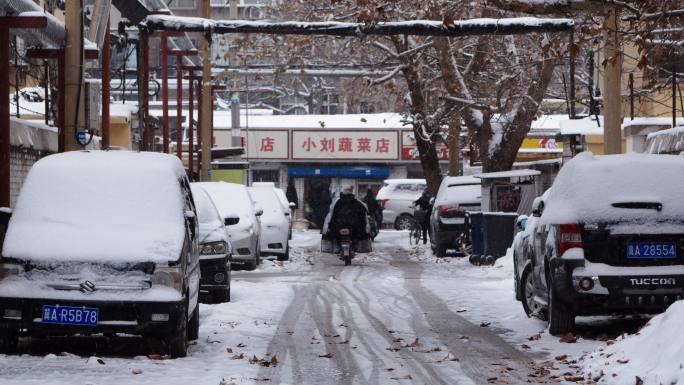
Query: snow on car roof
(267, 198)
(103, 206)
(459, 189)
(508, 174)
(588, 186)
(407, 181)
(231, 199)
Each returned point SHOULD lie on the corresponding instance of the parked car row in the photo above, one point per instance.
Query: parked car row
(121, 242)
(607, 238)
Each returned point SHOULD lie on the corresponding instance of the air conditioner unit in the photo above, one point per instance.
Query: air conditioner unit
(254, 13)
(92, 104)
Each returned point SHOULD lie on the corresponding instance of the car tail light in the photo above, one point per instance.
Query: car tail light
(447, 210)
(570, 236)
(383, 202)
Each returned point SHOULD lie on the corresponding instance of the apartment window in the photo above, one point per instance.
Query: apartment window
(182, 4)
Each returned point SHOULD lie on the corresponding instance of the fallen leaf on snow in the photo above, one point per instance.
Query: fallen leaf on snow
(568, 338)
(573, 378)
(561, 357)
(414, 344)
(326, 355)
(154, 356)
(638, 381)
(136, 371)
(623, 361)
(241, 345)
(229, 350)
(535, 337)
(485, 324)
(238, 356)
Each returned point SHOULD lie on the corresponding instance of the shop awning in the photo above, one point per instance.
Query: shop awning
(344, 172)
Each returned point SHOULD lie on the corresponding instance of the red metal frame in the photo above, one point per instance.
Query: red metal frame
(165, 93)
(179, 108)
(7, 23)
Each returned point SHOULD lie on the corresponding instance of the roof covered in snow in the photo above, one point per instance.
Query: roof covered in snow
(508, 174)
(588, 186)
(99, 206)
(585, 126)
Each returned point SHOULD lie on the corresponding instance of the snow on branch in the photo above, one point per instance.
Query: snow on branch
(505, 26)
(390, 75)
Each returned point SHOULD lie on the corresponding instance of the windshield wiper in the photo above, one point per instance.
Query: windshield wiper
(639, 205)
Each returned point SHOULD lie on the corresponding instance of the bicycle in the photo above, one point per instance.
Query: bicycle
(416, 233)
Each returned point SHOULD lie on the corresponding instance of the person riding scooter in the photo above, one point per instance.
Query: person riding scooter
(347, 213)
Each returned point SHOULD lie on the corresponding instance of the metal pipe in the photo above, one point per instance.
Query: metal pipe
(4, 120)
(572, 76)
(105, 88)
(16, 74)
(145, 118)
(179, 108)
(61, 107)
(191, 153)
(165, 94)
(631, 96)
(674, 96)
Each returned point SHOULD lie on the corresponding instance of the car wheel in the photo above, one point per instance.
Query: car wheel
(440, 251)
(286, 256)
(250, 265)
(9, 341)
(561, 316)
(221, 295)
(403, 222)
(193, 326)
(177, 340)
(526, 288)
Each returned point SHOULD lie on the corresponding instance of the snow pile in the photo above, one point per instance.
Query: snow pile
(654, 354)
(588, 187)
(99, 206)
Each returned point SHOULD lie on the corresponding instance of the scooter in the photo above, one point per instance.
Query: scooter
(346, 246)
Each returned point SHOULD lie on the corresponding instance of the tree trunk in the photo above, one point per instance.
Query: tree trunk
(454, 147)
(424, 133)
(503, 157)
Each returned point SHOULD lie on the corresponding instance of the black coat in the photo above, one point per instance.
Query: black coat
(349, 213)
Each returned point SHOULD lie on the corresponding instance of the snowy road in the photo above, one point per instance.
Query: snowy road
(396, 316)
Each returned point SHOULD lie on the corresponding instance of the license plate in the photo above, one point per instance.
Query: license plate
(70, 315)
(651, 250)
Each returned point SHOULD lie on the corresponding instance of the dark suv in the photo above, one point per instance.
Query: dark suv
(456, 195)
(610, 239)
(111, 248)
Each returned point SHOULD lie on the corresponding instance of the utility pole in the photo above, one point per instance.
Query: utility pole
(236, 140)
(206, 113)
(612, 97)
(73, 74)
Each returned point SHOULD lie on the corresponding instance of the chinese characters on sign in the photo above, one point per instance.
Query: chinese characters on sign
(381, 145)
(266, 144)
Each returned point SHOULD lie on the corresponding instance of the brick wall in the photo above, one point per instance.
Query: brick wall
(21, 160)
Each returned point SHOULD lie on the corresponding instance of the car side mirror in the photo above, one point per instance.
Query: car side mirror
(230, 221)
(5, 215)
(258, 211)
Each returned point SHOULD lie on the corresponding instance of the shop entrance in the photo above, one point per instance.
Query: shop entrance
(317, 200)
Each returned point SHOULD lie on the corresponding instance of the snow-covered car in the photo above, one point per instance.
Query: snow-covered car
(396, 196)
(523, 249)
(275, 223)
(241, 219)
(611, 238)
(282, 197)
(456, 195)
(215, 249)
(111, 247)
